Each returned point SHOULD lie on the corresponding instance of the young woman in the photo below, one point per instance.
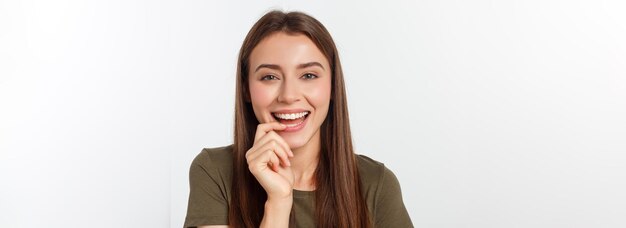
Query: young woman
(292, 163)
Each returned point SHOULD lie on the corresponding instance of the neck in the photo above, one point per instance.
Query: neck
(304, 163)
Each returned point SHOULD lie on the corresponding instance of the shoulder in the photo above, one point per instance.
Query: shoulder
(218, 159)
(372, 172)
(376, 179)
(209, 187)
(375, 176)
(365, 162)
(382, 193)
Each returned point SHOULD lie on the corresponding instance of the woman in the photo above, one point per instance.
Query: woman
(292, 163)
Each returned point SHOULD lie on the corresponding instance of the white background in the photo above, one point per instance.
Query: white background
(491, 113)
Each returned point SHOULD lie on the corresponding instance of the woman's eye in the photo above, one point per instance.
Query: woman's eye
(268, 77)
(309, 76)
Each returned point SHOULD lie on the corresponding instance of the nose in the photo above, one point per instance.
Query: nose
(289, 92)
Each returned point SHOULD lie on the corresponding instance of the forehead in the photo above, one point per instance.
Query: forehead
(286, 50)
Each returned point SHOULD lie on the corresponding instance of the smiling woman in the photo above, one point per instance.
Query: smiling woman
(292, 163)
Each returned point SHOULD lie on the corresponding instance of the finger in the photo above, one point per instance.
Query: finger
(270, 147)
(273, 147)
(259, 145)
(262, 162)
(272, 135)
(281, 152)
(282, 142)
(266, 159)
(273, 161)
(264, 128)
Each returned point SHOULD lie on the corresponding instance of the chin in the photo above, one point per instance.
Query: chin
(295, 141)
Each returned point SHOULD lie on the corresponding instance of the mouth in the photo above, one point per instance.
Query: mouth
(293, 120)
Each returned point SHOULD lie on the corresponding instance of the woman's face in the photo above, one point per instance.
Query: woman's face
(290, 82)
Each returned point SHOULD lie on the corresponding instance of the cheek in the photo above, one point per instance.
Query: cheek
(319, 94)
(261, 98)
(260, 95)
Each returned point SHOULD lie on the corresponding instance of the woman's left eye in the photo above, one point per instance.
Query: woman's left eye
(309, 76)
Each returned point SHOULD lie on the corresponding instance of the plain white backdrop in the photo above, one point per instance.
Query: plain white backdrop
(491, 113)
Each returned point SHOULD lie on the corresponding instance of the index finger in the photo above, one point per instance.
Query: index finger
(264, 128)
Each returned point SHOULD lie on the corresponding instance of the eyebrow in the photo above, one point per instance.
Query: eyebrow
(300, 66)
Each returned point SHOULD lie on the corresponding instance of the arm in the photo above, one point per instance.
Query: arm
(268, 161)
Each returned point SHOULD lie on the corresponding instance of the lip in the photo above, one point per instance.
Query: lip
(297, 127)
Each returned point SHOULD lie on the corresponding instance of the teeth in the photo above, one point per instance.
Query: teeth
(291, 116)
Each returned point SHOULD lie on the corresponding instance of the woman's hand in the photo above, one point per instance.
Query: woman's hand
(268, 161)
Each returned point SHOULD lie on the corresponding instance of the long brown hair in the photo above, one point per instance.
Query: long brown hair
(339, 200)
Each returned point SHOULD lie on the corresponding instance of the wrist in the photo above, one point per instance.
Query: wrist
(279, 204)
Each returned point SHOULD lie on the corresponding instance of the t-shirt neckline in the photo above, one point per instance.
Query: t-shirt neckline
(303, 194)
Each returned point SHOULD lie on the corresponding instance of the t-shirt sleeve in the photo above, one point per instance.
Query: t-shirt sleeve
(208, 204)
(390, 209)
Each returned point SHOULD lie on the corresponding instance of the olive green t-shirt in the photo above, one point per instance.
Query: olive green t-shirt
(210, 190)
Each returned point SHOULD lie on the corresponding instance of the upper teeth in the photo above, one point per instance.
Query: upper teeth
(290, 116)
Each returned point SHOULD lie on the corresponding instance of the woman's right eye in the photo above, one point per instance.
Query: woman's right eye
(268, 77)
